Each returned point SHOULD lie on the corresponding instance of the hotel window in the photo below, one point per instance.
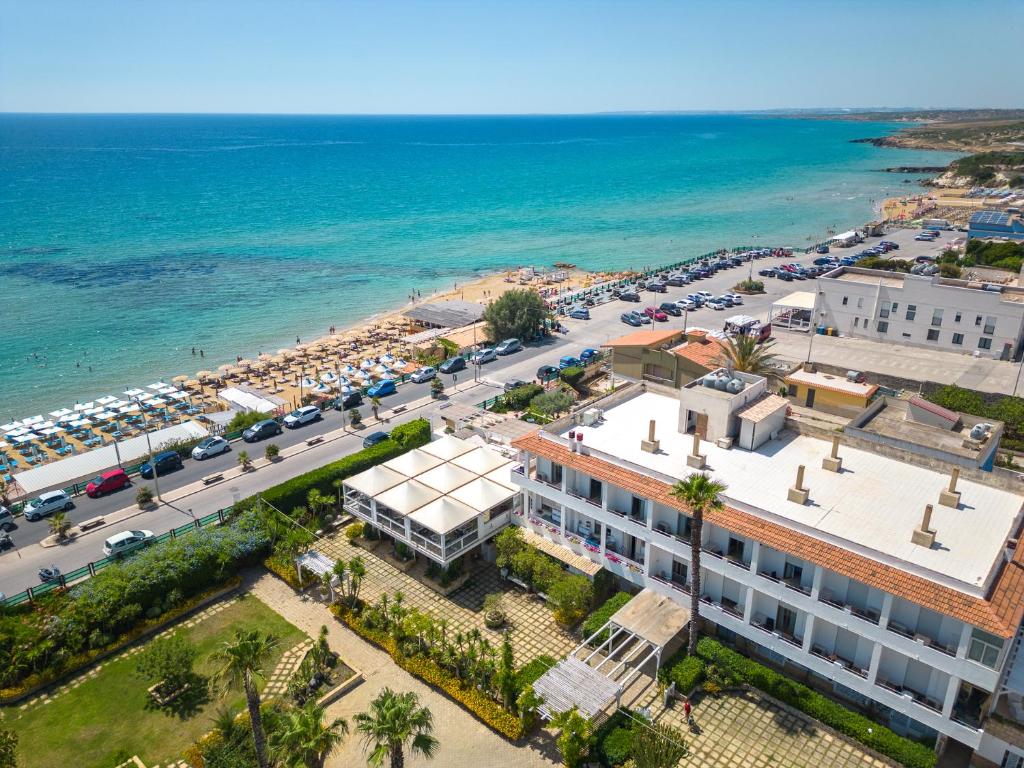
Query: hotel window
(883, 326)
(984, 343)
(856, 322)
(884, 311)
(933, 334)
(911, 311)
(936, 317)
(957, 318)
(990, 325)
(958, 338)
(846, 300)
(984, 648)
(977, 320)
(860, 303)
(895, 307)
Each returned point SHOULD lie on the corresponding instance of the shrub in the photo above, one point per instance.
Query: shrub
(687, 674)
(518, 313)
(168, 660)
(834, 715)
(354, 531)
(616, 747)
(552, 403)
(600, 617)
(243, 420)
(451, 349)
(293, 493)
(183, 447)
(571, 596)
(144, 496)
(517, 399)
(272, 451)
(531, 671)
(571, 375)
(749, 286)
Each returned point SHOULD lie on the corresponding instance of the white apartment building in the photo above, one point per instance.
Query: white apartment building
(955, 315)
(862, 574)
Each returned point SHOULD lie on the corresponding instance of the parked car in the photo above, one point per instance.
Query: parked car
(485, 355)
(258, 431)
(46, 504)
(705, 295)
(677, 280)
(725, 298)
(307, 414)
(545, 372)
(168, 461)
(508, 346)
(631, 318)
(426, 373)
(351, 400)
(453, 365)
(656, 314)
(716, 304)
(785, 277)
(373, 438)
(47, 575)
(657, 287)
(211, 446)
(821, 249)
(108, 482)
(514, 384)
(588, 354)
(923, 237)
(737, 299)
(629, 296)
(382, 388)
(669, 308)
(6, 519)
(686, 304)
(568, 361)
(126, 541)
(580, 313)
(823, 262)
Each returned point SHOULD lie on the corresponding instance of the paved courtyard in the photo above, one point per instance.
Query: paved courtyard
(531, 624)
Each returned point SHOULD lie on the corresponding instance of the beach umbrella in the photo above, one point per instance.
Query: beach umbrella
(44, 425)
(22, 439)
(130, 408)
(115, 404)
(157, 385)
(106, 400)
(349, 369)
(286, 352)
(32, 420)
(176, 395)
(308, 383)
(61, 413)
(366, 364)
(10, 427)
(105, 416)
(80, 423)
(388, 359)
(191, 383)
(17, 432)
(328, 377)
(401, 363)
(265, 356)
(180, 379)
(134, 392)
(84, 406)
(321, 389)
(226, 367)
(156, 402)
(347, 390)
(51, 431)
(344, 381)
(166, 390)
(203, 374)
(93, 411)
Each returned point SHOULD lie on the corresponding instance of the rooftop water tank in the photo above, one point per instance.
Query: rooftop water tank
(721, 383)
(709, 380)
(734, 386)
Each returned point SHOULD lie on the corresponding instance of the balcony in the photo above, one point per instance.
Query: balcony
(917, 697)
(796, 586)
(901, 629)
(838, 660)
(738, 561)
(792, 639)
(547, 480)
(593, 500)
(665, 530)
(867, 614)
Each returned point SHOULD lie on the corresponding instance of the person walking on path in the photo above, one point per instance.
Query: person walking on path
(687, 708)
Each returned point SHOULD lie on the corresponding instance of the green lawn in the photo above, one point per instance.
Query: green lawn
(110, 714)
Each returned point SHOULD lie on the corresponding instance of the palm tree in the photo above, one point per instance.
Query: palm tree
(394, 721)
(700, 493)
(375, 406)
(304, 740)
(243, 661)
(745, 354)
(59, 525)
(356, 572)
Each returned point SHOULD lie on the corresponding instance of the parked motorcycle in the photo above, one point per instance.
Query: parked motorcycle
(47, 575)
(6, 542)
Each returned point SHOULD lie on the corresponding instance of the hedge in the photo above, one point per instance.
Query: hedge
(571, 375)
(517, 399)
(478, 703)
(869, 733)
(530, 672)
(600, 617)
(292, 493)
(609, 731)
(687, 673)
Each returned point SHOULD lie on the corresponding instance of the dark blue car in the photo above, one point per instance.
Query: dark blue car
(569, 362)
(165, 462)
(382, 388)
(588, 354)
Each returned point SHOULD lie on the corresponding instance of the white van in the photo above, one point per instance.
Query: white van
(126, 541)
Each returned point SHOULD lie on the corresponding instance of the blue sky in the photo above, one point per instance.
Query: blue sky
(519, 56)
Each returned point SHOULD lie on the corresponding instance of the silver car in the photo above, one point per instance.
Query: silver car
(211, 446)
(423, 374)
(48, 503)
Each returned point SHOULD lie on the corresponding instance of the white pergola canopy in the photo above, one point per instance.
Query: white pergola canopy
(446, 477)
(481, 461)
(375, 480)
(447, 448)
(413, 463)
(443, 515)
(483, 494)
(407, 497)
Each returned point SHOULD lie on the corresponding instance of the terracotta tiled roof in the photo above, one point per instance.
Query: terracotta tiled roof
(643, 339)
(763, 407)
(937, 410)
(704, 352)
(1000, 614)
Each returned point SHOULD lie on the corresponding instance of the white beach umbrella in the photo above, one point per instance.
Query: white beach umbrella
(349, 369)
(106, 416)
(166, 390)
(106, 399)
(17, 432)
(69, 416)
(381, 368)
(32, 421)
(388, 358)
(401, 363)
(80, 423)
(113, 405)
(134, 392)
(344, 380)
(22, 439)
(308, 383)
(61, 413)
(129, 408)
(328, 377)
(51, 431)
(178, 395)
(92, 411)
(322, 389)
(11, 426)
(84, 406)
(157, 386)
(156, 402)
(43, 425)
(347, 390)
(366, 365)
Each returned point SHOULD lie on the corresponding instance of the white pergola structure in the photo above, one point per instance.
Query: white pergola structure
(592, 678)
(793, 312)
(318, 564)
(442, 499)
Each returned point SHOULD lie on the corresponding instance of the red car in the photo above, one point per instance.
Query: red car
(108, 482)
(656, 314)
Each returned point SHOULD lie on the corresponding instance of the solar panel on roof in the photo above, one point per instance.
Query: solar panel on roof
(998, 218)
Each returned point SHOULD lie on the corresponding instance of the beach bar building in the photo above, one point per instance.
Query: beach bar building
(442, 500)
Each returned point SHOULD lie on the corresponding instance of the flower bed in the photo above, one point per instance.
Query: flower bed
(600, 616)
(478, 703)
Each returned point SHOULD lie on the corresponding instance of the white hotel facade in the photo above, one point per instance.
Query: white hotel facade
(835, 576)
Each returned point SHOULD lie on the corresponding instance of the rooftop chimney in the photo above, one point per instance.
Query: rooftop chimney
(924, 536)
(650, 445)
(695, 459)
(798, 493)
(833, 463)
(572, 440)
(951, 496)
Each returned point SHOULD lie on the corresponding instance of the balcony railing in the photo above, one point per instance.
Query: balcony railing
(712, 552)
(835, 658)
(426, 544)
(899, 629)
(540, 477)
(737, 561)
(467, 540)
(796, 586)
(792, 639)
(867, 614)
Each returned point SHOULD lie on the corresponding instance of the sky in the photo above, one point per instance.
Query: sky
(517, 56)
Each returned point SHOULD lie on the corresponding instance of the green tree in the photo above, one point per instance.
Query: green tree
(657, 746)
(518, 313)
(528, 703)
(302, 739)
(375, 407)
(243, 661)
(168, 659)
(699, 492)
(552, 403)
(507, 673)
(508, 544)
(356, 573)
(8, 749)
(745, 354)
(243, 420)
(571, 596)
(394, 721)
(575, 737)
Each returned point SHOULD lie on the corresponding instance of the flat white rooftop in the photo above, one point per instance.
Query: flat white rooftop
(872, 507)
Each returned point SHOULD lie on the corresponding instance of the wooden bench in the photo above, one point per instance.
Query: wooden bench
(398, 409)
(315, 440)
(88, 525)
(213, 478)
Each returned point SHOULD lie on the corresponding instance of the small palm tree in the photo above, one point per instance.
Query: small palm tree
(394, 721)
(745, 354)
(375, 406)
(60, 525)
(244, 461)
(700, 493)
(243, 661)
(356, 572)
(303, 740)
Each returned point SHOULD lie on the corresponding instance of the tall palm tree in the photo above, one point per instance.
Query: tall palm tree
(394, 721)
(243, 661)
(700, 493)
(304, 740)
(745, 354)
(60, 525)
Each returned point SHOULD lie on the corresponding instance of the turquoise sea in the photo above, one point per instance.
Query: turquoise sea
(127, 240)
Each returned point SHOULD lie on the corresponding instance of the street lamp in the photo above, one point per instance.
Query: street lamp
(149, 443)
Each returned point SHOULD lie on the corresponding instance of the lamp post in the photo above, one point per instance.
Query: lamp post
(149, 443)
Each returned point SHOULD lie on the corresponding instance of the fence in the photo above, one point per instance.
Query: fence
(91, 569)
